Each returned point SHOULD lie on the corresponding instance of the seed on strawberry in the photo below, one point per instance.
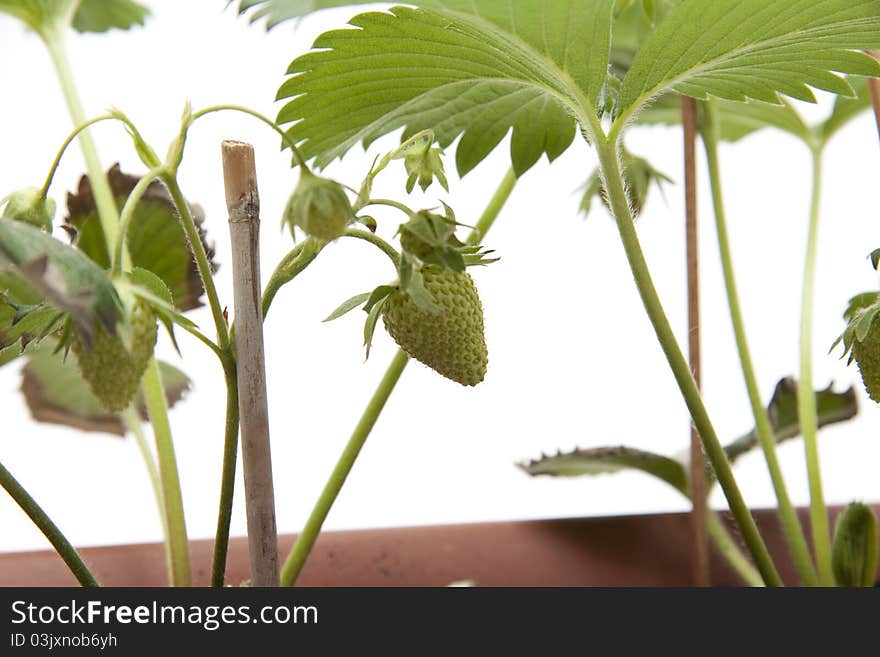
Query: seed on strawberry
(867, 355)
(113, 370)
(450, 341)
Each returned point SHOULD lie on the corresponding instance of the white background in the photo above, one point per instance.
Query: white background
(573, 359)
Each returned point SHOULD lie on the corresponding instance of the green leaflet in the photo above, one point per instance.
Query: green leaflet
(56, 393)
(63, 275)
(738, 49)
(88, 15)
(104, 15)
(470, 68)
(278, 11)
(608, 460)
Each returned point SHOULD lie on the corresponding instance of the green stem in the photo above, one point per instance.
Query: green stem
(306, 539)
(728, 549)
(806, 397)
(297, 156)
(158, 412)
(198, 250)
(50, 530)
(493, 209)
(300, 257)
(794, 533)
(227, 486)
(390, 203)
(133, 422)
(377, 241)
(125, 219)
(104, 201)
(609, 164)
(73, 135)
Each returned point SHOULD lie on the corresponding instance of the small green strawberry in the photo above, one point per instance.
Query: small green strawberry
(854, 553)
(449, 339)
(867, 355)
(112, 369)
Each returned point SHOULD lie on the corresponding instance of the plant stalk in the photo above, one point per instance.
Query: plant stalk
(50, 530)
(104, 201)
(227, 479)
(728, 549)
(806, 398)
(306, 540)
(609, 164)
(201, 258)
(243, 203)
(133, 422)
(157, 409)
(794, 533)
(697, 468)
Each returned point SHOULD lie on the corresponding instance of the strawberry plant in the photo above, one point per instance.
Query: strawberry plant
(85, 308)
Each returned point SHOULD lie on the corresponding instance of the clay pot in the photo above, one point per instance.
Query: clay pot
(637, 550)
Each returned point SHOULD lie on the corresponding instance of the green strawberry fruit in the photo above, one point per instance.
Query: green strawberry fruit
(113, 370)
(450, 341)
(867, 355)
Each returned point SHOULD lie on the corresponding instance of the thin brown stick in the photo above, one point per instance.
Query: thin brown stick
(700, 542)
(243, 203)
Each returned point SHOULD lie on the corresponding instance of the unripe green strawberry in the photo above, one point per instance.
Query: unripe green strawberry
(867, 355)
(112, 370)
(30, 206)
(854, 553)
(450, 341)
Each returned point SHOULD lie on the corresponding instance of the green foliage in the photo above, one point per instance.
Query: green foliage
(470, 69)
(104, 15)
(155, 239)
(738, 49)
(56, 393)
(608, 460)
(64, 276)
(832, 407)
(278, 11)
(41, 16)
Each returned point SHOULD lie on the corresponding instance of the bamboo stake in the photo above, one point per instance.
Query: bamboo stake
(243, 203)
(700, 543)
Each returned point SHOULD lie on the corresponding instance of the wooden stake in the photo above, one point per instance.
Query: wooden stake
(700, 542)
(243, 203)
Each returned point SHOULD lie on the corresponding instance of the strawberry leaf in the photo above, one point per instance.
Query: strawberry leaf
(56, 393)
(104, 15)
(155, 239)
(469, 68)
(65, 278)
(608, 460)
(738, 49)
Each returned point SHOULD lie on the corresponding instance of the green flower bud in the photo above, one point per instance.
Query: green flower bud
(28, 205)
(319, 206)
(638, 174)
(424, 165)
(854, 554)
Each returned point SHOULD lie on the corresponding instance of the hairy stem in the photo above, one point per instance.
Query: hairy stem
(293, 264)
(50, 530)
(227, 480)
(794, 533)
(201, 258)
(609, 165)
(731, 552)
(133, 422)
(306, 540)
(806, 397)
(376, 241)
(118, 249)
(154, 395)
(104, 201)
(697, 465)
(69, 140)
